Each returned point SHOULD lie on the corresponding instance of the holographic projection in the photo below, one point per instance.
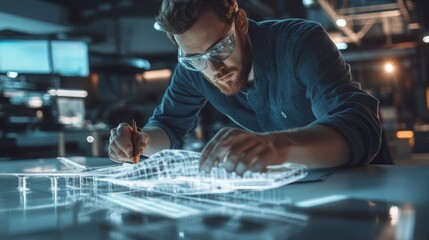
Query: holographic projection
(169, 171)
(166, 197)
(166, 192)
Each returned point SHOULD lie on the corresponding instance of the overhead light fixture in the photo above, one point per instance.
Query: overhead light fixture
(308, 3)
(12, 74)
(389, 67)
(426, 39)
(404, 134)
(394, 213)
(90, 139)
(157, 74)
(157, 27)
(35, 102)
(341, 22)
(414, 26)
(342, 45)
(12, 93)
(68, 93)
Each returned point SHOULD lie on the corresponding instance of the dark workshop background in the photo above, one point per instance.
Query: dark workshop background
(106, 63)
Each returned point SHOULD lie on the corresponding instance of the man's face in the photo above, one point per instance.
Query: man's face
(230, 75)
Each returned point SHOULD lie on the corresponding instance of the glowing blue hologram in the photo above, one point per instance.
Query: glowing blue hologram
(71, 165)
(180, 206)
(176, 171)
(22, 183)
(170, 171)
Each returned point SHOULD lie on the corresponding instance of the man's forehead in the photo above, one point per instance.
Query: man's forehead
(202, 35)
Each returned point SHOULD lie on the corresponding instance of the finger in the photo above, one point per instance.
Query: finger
(253, 154)
(258, 166)
(118, 152)
(209, 146)
(237, 151)
(123, 140)
(113, 132)
(123, 147)
(124, 125)
(241, 168)
(143, 142)
(260, 162)
(124, 131)
(221, 148)
(119, 145)
(114, 156)
(112, 146)
(248, 158)
(113, 135)
(206, 160)
(206, 163)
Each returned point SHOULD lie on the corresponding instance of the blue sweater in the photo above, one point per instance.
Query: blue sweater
(300, 79)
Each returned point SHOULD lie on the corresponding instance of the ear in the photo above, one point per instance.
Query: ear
(241, 22)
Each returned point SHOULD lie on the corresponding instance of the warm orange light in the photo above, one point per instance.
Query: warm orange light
(404, 134)
(139, 77)
(157, 74)
(389, 67)
(95, 79)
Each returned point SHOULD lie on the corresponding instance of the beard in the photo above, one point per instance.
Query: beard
(237, 83)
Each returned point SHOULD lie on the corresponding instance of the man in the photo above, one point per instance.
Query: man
(284, 82)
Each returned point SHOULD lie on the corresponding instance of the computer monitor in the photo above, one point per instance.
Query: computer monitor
(71, 111)
(70, 58)
(24, 56)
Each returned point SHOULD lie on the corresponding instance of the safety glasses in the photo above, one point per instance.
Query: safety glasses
(218, 53)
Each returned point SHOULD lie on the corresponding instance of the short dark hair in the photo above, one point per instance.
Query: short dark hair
(177, 16)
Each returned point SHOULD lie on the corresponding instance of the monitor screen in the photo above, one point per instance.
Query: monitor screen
(70, 58)
(71, 111)
(24, 56)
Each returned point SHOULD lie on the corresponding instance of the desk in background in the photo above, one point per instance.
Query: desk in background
(82, 142)
(96, 139)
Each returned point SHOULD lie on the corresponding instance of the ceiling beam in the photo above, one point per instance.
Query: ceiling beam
(397, 50)
(365, 9)
(334, 17)
(404, 10)
(366, 16)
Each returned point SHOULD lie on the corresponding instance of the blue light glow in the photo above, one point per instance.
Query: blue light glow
(25, 56)
(70, 58)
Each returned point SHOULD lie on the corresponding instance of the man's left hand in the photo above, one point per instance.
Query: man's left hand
(238, 151)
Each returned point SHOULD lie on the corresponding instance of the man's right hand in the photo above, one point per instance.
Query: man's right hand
(120, 145)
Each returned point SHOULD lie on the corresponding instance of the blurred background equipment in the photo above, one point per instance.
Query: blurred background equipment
(112, 51)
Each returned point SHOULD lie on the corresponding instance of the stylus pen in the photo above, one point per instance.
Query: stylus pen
(135, 141)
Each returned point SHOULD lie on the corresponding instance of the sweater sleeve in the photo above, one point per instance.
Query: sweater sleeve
(177, 114)
(336, 101)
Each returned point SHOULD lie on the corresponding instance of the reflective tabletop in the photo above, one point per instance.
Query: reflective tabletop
(371, 202)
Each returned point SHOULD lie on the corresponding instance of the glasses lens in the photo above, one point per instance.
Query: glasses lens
(223, 51)
(192, 63)
(196, 64)
(219, 53)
